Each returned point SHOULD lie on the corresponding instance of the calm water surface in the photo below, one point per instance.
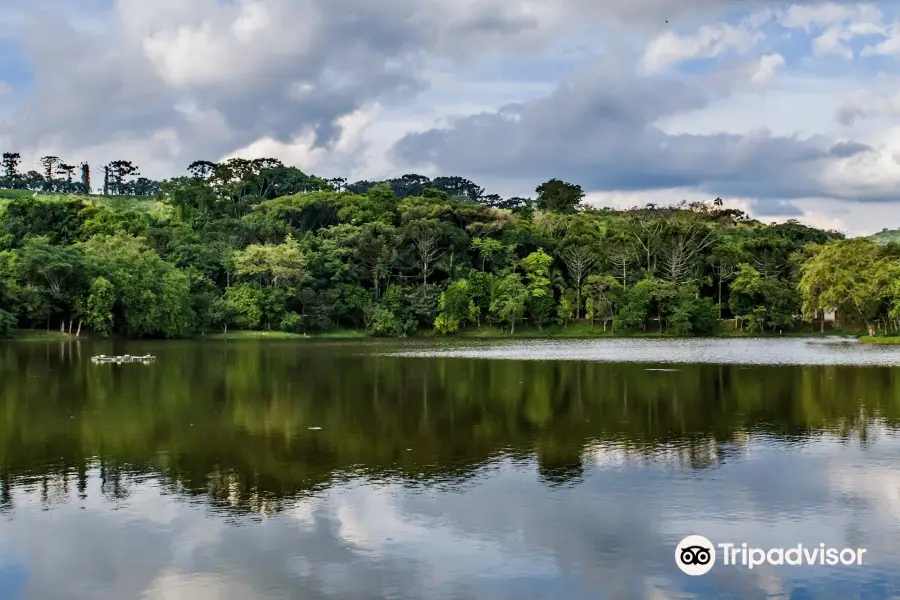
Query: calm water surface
(432, 470)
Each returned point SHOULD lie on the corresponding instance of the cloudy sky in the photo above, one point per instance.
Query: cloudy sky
(784, 110)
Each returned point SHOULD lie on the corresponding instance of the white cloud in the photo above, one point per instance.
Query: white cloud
(808, 16)
(840, 24)
(833, 42)
(875, 174)
(669, 49)
(301, 150)
(330, 87)
(868, 104)
(768, 65)
(887, 47)
(173, 585)
(235, 42)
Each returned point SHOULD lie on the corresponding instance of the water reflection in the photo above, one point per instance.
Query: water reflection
(198, 477)
(747, 351)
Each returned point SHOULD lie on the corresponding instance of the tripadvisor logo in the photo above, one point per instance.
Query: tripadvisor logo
(696, 555)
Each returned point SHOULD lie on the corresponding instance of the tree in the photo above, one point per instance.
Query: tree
(634, 306)
(456, 307)
(96, 309)
(376, 249)
(426, 237)
(86, 177)
(566, 307)
(687, 238)
(487, 248)
(117, 174)
(508, 300)
(540, 296)
(647, 230)
(559, 196)
(243, 304)
(579, 260)
(601, 293)
(272, 265)
(851, 275)
(480, 286)
(222, 313)
(724, 264)
(746, 293)
(49, 163)
(55, 272)
(394, 256)
(202, 169)
(10, 165)
(69, 171)
(152, 296)
(339, 183)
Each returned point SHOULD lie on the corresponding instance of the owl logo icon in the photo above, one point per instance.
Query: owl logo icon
(695, 555)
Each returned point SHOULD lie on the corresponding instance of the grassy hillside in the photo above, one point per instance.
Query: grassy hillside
(886, 236)
(121, 203)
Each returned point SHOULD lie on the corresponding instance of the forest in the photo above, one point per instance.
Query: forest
(258, 245)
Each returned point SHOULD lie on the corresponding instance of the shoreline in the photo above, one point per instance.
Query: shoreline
(572, 332)
(890, 340)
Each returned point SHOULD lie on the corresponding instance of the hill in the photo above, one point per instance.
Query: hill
(885, 236)
(241, 250)
(148, 204)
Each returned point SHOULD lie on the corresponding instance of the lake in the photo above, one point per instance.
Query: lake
(421, 469)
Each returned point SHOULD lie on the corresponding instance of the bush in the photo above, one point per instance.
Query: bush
(291, 322)
(7, 323)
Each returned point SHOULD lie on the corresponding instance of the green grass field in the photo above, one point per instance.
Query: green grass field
(37, 335)
(151, 205)
(891, 340)
(573, 331)
(283, 335)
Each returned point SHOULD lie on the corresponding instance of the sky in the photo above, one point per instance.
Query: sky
(785, 110)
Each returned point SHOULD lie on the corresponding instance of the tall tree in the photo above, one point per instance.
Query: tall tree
(201, 169)
(69, 171)
(540, 295)
(10, 165)
(86, 177)
(120, 171)
(426, 238)
(559, 196)
(49, 163)
(579, 260)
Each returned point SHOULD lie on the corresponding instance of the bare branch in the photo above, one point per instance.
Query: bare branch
(680, 258)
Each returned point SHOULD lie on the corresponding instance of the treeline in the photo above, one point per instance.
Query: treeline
(119, 177)
(255, 244)
(122, 178)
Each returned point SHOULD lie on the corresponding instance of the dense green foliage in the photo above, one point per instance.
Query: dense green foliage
(886, 236)
(257, 245)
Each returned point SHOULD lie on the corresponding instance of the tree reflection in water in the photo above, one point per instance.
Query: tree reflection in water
(229, 424)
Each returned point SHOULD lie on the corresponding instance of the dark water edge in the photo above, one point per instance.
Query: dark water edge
(444, 469)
